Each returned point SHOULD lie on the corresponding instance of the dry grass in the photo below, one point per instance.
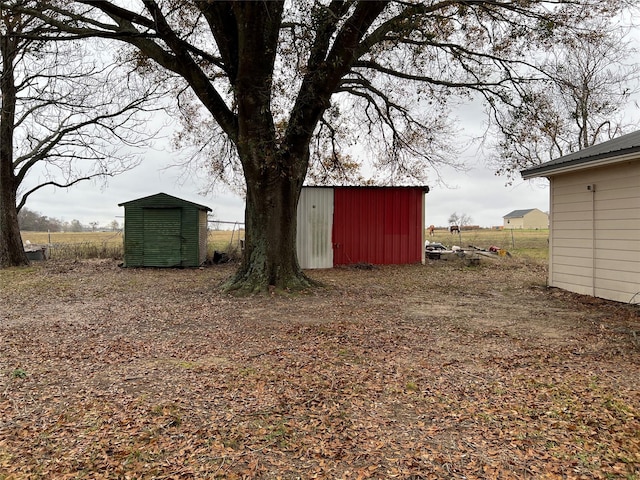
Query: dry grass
(42, 238)
(531, 244)
(78, 245)
(225, 240)
(86, 245)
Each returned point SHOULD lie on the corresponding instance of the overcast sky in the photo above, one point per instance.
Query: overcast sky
(477, 193)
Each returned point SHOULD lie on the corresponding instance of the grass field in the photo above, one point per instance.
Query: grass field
(68, 245)
(72, 245)
(524, 243)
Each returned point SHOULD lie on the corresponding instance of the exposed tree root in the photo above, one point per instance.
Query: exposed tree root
(252, 282)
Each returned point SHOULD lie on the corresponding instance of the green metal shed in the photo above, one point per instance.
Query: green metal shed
(164, 231)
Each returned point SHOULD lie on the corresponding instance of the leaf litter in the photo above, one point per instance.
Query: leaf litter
(423, 371)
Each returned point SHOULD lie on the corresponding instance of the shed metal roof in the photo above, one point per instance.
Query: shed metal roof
(169, 198)
(610, 151)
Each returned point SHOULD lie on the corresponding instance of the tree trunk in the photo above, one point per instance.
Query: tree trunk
(12, 253)
(270, 259)
(273, 172)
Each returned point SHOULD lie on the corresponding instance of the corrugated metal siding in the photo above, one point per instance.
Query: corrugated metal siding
(378, 225)
(162, 246)
(190, 237)
(315, 220)
(133, 236)
(163, 231)
(595, 234)
(203, 236)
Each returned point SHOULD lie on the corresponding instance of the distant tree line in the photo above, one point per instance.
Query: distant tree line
(31, 221)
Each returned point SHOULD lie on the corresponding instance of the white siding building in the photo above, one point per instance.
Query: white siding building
(532, 218)
(594, 241)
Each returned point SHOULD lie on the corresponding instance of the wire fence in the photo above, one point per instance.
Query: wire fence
(110, 245)
(84, 245)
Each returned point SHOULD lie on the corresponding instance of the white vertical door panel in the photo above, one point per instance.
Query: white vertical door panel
(315, 224)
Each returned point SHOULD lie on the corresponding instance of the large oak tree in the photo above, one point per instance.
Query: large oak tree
(67, 113)
(282, 81)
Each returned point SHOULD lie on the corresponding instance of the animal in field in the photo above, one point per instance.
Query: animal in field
(431, 229)
(454, 228)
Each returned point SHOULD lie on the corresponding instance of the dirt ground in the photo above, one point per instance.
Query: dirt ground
(441, 370)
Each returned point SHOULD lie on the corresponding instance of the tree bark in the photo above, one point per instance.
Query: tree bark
(270, 259)
(12, 252)
(274, 172)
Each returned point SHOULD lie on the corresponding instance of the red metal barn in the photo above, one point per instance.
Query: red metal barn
(347, 225)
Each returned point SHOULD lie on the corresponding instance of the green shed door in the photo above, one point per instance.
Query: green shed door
(162, 237)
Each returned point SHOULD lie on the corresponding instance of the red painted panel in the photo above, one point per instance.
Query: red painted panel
(381, 225)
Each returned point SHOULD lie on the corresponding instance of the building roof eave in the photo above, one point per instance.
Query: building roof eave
(623, 148)
(545, 170)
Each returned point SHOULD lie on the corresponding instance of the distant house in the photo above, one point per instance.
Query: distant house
(530, 218)
(594, 243)
(164, 231)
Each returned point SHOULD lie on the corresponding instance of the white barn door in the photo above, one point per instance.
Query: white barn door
(315, 225)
